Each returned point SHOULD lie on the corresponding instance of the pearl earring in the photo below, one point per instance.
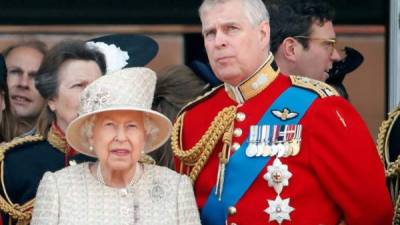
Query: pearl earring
(91, 148)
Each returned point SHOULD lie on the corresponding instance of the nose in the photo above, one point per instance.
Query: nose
(120, 135)
(24, 81)
(335, 56)
(220, 40)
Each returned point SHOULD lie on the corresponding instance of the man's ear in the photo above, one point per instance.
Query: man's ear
(265, 32)
(289, 49)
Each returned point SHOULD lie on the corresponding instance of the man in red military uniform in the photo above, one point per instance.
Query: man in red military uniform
(266, 148)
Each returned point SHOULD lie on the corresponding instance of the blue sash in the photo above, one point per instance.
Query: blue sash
(241, 170)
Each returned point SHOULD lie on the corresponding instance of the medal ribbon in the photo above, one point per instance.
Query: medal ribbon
(241, 170)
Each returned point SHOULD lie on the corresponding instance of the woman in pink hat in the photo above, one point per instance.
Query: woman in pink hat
(117, 126)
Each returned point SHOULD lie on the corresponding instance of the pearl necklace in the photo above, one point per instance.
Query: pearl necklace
(124, 191)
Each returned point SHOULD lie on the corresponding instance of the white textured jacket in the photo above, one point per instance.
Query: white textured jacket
(74, 196)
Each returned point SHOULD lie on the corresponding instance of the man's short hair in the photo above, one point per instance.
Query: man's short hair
(291, 18)
(255, 9)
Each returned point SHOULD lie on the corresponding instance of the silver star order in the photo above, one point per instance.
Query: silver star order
(278, 175)
(279, 209)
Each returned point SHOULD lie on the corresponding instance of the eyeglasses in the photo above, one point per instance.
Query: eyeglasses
(331, 42)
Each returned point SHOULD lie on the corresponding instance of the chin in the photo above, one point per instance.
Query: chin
(121, 165)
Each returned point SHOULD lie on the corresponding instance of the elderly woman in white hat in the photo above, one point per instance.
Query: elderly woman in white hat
(117, 126)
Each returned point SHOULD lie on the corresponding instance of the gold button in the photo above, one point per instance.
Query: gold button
(240, 116)
(235, 146)
(231, 210)
(237, 132)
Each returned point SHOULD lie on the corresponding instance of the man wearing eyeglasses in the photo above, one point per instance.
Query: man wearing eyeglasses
(302, 37)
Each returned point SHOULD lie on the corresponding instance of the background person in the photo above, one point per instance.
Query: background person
(7, 122)
(302, 37)
(23, 60)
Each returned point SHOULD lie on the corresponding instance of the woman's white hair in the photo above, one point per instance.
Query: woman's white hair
(86, 132)
(255, 10)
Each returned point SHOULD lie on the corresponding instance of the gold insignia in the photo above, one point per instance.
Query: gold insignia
(285, 114)
(257, 82)
(321, 88)
(56, 140)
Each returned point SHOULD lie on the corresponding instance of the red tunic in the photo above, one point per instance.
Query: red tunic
(337, 174)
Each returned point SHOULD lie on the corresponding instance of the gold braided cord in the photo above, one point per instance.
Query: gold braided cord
(21, 213)
(198, 155)
(392, 168)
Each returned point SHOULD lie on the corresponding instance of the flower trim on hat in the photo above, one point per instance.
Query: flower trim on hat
(100, 100)
(115, 57)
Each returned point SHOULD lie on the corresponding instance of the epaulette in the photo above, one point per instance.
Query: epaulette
(21, 213)
(199, 99)
(321, 88)
(5, 146)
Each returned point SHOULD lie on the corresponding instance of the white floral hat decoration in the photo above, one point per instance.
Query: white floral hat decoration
(125, 50)
(126, 89)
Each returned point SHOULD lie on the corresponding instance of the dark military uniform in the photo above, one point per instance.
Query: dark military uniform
(23, 162)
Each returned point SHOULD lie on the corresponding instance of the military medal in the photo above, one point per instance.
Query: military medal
(261, 145)
(297, 140)
(251, 150)
(267, 149)
(279, 209)
(274, 141)
(290, 131)
(278, 176)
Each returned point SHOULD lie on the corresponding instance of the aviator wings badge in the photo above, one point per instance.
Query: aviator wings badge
(285, 114)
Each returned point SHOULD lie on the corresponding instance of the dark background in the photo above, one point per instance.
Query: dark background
(33, 12)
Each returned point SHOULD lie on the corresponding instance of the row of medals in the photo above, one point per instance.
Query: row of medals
(276, 141)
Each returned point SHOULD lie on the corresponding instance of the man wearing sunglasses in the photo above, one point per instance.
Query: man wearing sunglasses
(302, 37)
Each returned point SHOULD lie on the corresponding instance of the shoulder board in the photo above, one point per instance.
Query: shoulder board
(199, 99)
(319, 87)
(17, 141)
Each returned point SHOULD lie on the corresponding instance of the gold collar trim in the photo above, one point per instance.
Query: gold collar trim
(57, 140)
(255, 83)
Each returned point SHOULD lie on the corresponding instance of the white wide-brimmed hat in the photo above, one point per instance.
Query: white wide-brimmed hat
(126, 89)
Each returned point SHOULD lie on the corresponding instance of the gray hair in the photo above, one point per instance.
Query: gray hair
(255, 10)
(86, 132)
